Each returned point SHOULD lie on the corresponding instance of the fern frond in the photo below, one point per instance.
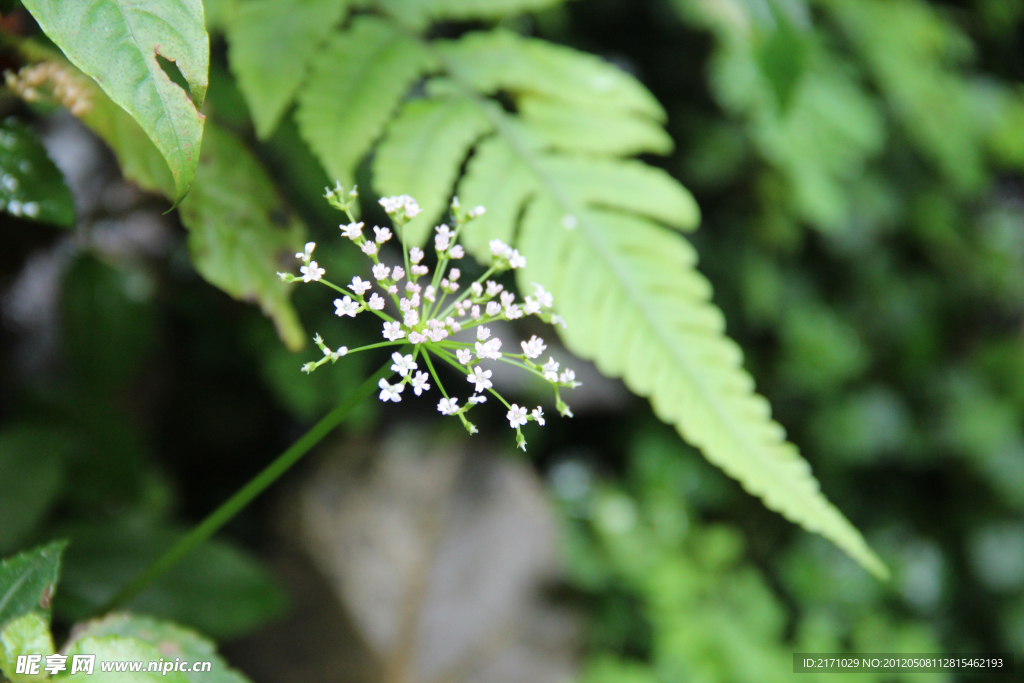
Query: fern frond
(417, 12)
(423, 151)
(356, 84)
(562, 126)
(271, 43)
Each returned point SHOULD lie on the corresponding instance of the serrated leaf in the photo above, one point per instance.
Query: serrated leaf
(356, 84)
(240, 233)
(29, 580)
(117, 43)
(32, 464)
(418, 12)
(504, 61)
(29, 634)
(173, 642)
(558, 125)
(271, 43)
(423, 152)
(30, 185)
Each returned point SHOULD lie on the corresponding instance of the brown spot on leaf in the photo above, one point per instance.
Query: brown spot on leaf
(46, 597)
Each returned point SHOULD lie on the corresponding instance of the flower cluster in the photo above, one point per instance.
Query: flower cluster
(423, 312)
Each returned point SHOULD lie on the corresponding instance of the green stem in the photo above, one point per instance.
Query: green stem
(222, 515)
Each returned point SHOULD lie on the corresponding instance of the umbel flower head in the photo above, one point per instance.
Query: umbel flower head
(420, 312)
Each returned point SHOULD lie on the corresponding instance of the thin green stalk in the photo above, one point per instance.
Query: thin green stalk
(257, 485)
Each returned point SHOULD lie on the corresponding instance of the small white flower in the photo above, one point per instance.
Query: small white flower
(499, 248)
(474, 313)
(448, 406)
(516, 416)
(398, 273)
(543, 296)
(431, 294)
(346, 306)
(308, 253)
(393, 331)
(342, 351)
(465, 356)
(353, 231)
(452, 324)
(538, 415)
(550, 370)
(403, 364)
(412, 209)
(392, 290)
(419, 383)
(483, 333)
(454, 274)
(516, 260)
(441, 242)
(380, 271)
(512, 312)
(493, 308)
(477, 398)
(359, 285)
(477, 212)
(415, 255)
(481, 378)
(493, 288)
(507, 298)
(311, 272)
(477, 289)
(534, 347)
(376, 302)
(383, 234)
(411, 317)
(489, 349)
(457, 252)
(417, 338)
(419, 270)
(369, 248)
(390, 392)
(438, 334)
(568, 376)
(531, 306)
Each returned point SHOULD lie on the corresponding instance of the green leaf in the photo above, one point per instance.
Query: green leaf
(173, 642)
(419, 12)
(218, 589)
(30, 185)
(28, 581)
(29, 634)
(118, 42)
(32, 465)
(240, 232)
(423, 152)
(356, 84)
(271, 43)
(118, 649)
(628, 288)
(562, 126)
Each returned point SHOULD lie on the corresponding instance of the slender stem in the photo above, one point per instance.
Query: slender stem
(223, 514)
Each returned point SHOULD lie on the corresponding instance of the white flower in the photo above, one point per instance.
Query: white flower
(392, 290)
(550, 370)
(465, 356)
(380, 271)
(359, 285)
(538, 415)
(369, 248)
(568, 376)
(311, 272)
(417, 338)
(393, 331)
(448, 406)
(481, 378)
(543, 296)
(395, 205)
(390, 392)
(477, 398)
(499, 248)
(415, 255)
(411, 317)
(376, 302)
(457, 252)
(412, 209)
(516, 416)
(477, 289)
(342, 350)
(454, 274)
(516, 260)
(383, 234)
(489, 349)
(534, 347)
(443, 238)
(493, 308)
(419, 383)
(452, 324)
(474, 313)
(353, 231)
(308, 253)
(419, 270)
(493, 288)
(431, 294)
(438, 334)
(531, 306)
(483, 333)
(507, 298)
(346, 306)
(398, 273)
(477, 212)
(403, 364)
(512, 312)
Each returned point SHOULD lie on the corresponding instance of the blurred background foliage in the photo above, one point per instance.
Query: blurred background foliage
(858, 164)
